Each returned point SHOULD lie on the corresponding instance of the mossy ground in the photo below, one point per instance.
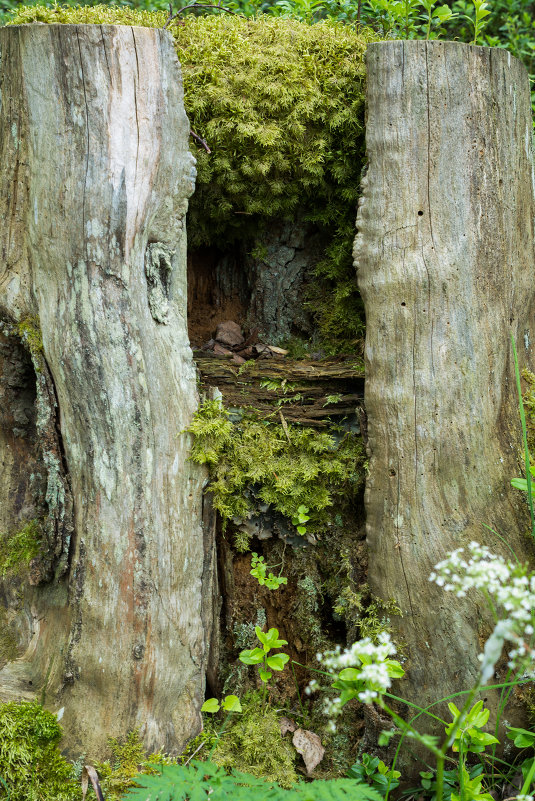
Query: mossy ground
(253, 744)
(31, 764)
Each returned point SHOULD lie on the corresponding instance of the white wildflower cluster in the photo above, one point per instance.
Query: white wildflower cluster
(511, 592)
(524, 798)
(369, 659)
(352, 656)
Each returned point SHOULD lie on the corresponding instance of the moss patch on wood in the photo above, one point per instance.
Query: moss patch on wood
(19, 548)
(256, 464)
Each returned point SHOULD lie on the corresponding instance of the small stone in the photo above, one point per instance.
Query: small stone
(229, 333)
(219, 350)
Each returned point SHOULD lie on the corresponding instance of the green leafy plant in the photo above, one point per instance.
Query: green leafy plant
(508, 589)
(481, 10)
(373, 771)
(469, 735)
(200, 780)
(259, 571)
(261, 656)
(230, 703)
(300, 518)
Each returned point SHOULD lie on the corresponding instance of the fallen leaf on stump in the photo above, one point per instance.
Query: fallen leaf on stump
(309, 746)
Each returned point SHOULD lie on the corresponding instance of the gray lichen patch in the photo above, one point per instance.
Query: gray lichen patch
(158, 269)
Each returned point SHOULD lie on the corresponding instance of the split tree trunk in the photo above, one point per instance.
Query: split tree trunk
(94, 184)
(445, 260)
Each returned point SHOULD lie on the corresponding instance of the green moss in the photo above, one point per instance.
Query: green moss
(18, 549)
(30, 762)
(128, 759)
(307, 612)
(285, 468)
(281, 105)
(8, 643)
(253, 744)
(29, 331)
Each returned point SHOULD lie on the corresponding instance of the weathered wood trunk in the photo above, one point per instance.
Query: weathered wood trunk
(94, 184)
(445, 260)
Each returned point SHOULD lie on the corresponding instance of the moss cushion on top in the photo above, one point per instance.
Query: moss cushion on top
(281, 106)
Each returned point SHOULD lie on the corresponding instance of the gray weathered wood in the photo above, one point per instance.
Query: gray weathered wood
(445, 261)
(94, 184)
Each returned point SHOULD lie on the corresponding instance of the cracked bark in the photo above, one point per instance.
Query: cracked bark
(445, 256)
(94, 184)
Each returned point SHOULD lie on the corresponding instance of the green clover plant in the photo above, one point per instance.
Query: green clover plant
(300, 518)
(259, 570)
(373, 771)
(230, 703)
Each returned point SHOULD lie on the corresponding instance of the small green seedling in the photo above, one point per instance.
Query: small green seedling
(260, 656)
(373, 771)
(471, 789)
(522, 483)
(522, 738)
(259, 569)
(230, 703)
(300, 518)
(469, 736)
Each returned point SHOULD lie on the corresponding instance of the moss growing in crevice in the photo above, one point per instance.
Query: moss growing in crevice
(29, 332)
(256, 465)
(8, 643)
(19, 548)
(253, 744)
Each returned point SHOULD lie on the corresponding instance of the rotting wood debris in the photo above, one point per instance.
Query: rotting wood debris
(313, 393)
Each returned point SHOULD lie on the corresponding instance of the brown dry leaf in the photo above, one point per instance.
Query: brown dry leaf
(287, 724)
(89, 774)
(278, 351)
(309, 746)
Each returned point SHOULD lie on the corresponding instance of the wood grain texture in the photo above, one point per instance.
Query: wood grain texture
(96, 175)
(445, 262)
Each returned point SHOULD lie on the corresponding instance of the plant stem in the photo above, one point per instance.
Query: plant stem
(529, 779)
(527, 460)
(407, 728)
(440, 778)
(297, 688)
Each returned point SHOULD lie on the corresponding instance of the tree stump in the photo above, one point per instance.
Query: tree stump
(445, 258)
(109, 625)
